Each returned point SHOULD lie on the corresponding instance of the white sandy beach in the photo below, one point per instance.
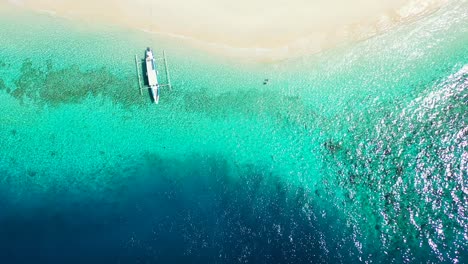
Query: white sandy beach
(261, 29)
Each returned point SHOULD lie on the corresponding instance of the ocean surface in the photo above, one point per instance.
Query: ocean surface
(357, 154)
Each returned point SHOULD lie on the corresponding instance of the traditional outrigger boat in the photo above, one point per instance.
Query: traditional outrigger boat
(152, 74)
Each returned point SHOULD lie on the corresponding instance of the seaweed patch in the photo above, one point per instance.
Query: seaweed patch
(70, 85)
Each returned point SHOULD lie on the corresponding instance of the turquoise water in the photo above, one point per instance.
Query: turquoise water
(355, 154)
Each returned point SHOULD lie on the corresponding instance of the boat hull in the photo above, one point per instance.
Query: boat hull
(152, 75)
(155, 94)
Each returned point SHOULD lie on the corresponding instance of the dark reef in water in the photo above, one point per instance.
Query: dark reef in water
(45, 85)
(3, 86)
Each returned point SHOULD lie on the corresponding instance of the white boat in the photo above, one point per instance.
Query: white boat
(152, 75)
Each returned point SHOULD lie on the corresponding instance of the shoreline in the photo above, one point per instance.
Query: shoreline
(271, 35)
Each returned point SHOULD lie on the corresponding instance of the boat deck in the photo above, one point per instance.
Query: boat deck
(151, 72)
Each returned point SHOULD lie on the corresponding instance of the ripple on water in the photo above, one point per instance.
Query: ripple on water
(408, 180)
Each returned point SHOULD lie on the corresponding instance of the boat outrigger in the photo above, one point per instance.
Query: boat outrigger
(152, 74)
